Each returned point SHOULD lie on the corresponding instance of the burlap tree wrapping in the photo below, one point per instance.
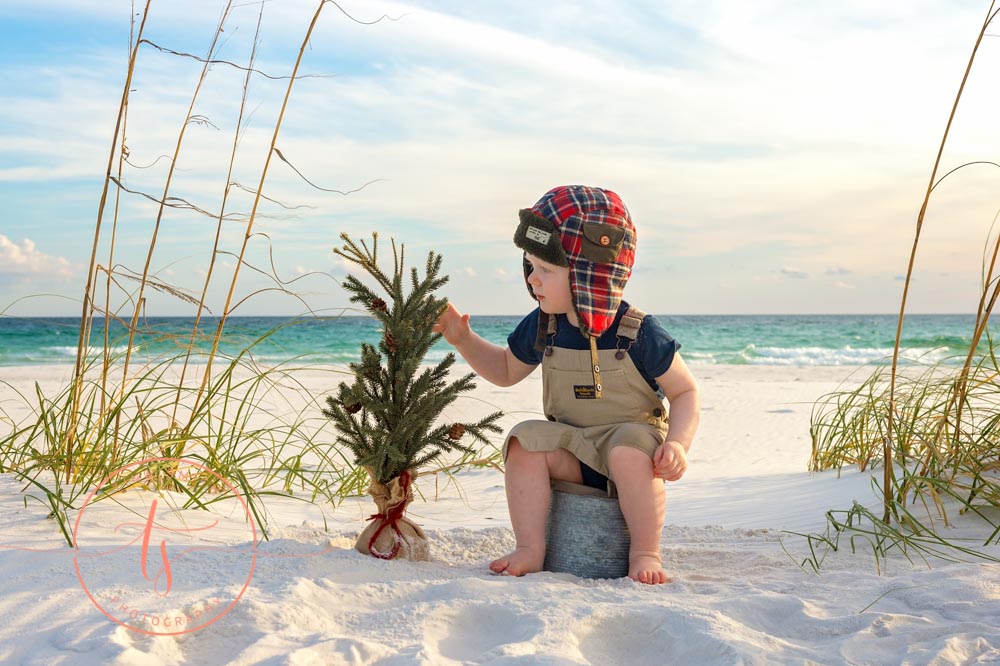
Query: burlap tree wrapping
(387, 416)
(390, 534)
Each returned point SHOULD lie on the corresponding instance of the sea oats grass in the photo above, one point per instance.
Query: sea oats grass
(933, 429)
(255, 425)
(945, 460)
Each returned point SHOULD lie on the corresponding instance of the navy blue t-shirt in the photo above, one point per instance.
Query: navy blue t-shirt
(652, 353)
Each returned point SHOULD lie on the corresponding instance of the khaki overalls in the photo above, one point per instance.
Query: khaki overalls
(629, 413)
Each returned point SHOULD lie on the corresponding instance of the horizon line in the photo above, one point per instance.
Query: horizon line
(521, 314)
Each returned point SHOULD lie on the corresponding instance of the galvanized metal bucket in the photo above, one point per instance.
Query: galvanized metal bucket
(586, 533)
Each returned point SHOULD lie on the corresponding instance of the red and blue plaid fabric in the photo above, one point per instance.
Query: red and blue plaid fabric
(592, 216)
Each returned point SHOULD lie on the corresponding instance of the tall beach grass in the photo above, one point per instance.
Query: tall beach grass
(256, 426)
(934, 431)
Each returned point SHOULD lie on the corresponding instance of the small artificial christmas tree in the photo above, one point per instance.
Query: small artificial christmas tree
(386, 416)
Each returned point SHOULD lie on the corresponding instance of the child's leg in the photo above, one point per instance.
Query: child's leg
(526, 481)
(643, 502)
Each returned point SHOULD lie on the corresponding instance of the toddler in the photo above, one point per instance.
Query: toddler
(606, 366)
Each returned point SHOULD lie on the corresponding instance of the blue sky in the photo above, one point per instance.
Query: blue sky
(773, 154)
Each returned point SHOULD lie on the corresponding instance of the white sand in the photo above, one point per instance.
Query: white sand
(737, 597)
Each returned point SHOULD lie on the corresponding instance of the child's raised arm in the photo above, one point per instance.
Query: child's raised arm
(493, 363)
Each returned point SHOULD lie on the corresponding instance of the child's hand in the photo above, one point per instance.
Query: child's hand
(670, 461)
(453, 325)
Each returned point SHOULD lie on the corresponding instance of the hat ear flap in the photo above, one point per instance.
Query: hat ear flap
(540, 237)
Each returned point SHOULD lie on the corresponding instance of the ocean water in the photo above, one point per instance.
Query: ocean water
(720, 339)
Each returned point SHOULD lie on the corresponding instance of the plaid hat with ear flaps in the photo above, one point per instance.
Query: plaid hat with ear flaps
(589, 230)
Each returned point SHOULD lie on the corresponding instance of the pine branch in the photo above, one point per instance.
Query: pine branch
(386, 416)
(367, 259)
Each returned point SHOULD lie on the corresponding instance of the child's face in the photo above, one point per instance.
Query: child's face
(551, 286)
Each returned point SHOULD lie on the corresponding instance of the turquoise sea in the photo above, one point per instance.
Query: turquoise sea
(720, 339)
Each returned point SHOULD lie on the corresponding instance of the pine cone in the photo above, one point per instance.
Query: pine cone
(353, 408)
(379, 304)
(390, 342)
(456, 431)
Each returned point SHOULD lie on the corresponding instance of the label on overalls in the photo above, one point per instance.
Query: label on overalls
(585, 392)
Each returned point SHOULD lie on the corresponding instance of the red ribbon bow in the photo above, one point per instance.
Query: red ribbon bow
(391, 518)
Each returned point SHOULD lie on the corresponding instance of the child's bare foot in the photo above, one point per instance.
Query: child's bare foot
(520, 561)
(647, 567)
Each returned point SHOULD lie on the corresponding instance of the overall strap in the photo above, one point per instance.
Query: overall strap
(546, 328)
(595, 363)
(628, 326)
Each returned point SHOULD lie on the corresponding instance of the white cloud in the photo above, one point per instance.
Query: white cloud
(25, 260)
(792, 272)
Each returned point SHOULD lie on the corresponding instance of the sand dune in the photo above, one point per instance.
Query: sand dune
(739, 595)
